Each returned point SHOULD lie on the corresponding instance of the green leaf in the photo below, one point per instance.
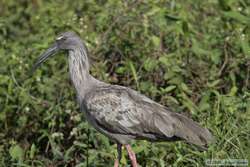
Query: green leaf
(80, 144)
(198, 50)
(156, 41)
(150, 64)
(139, 148)
(32, 151)
(2, 116)
(120, 70)
(16, 152)
(169, 88)
(237, 16)
(164, 60)
(233, 91)
(214, 83)
(245, 47)
(82, 164)
(134, 73)
(185, 88)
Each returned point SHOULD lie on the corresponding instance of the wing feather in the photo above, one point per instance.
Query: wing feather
(121, 110)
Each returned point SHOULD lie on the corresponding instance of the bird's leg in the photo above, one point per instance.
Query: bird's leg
(131, 155)
(119, 151)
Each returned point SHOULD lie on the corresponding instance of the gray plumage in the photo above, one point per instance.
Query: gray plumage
(123, 114)
(118, 112)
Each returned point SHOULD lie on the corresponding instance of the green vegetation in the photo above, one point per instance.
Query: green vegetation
(193, 56)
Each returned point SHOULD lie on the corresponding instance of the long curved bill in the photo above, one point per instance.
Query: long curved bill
(48, 53)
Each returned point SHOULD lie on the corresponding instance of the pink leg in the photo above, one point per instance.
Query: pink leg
(131, 155)
(116, 163)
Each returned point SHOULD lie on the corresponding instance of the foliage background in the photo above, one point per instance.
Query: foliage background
(193, 56)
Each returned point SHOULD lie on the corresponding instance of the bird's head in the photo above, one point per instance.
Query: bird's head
(64, 41)
(68, 41)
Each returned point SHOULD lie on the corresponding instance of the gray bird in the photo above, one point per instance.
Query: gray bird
(121, 113)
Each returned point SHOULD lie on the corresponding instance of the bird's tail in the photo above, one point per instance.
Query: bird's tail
(175, 126)
(191, 131)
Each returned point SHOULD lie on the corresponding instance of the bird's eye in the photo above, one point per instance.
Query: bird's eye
(60, 38)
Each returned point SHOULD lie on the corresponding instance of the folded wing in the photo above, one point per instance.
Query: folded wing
(121, 110)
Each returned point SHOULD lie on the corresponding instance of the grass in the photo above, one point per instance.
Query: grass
(193, 56)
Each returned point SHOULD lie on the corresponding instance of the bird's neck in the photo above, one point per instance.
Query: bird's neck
(79, 71)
